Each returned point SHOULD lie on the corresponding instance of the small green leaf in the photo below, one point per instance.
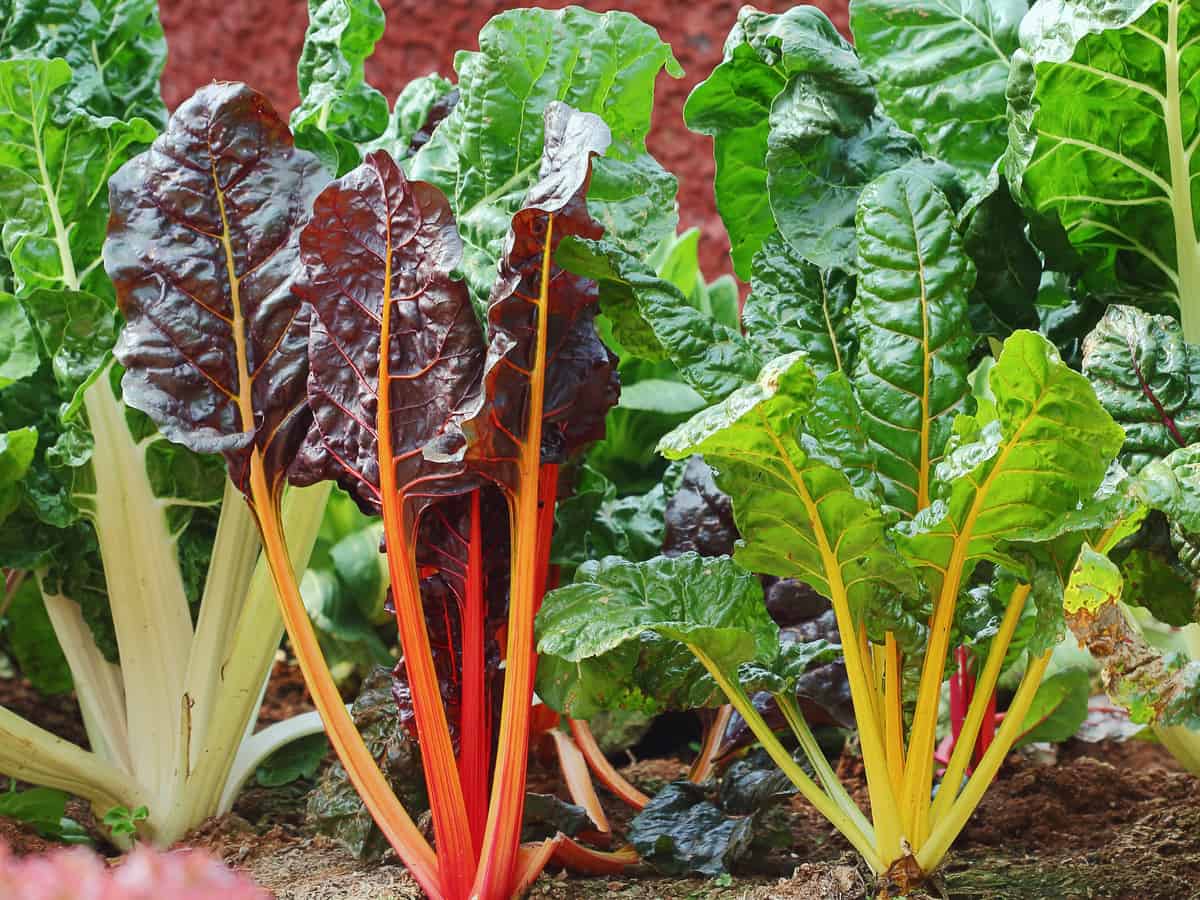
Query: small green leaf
(1059, 707)
(298, 759)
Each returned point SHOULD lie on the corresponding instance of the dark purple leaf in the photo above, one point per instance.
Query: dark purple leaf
(377, 257)
(202, 251)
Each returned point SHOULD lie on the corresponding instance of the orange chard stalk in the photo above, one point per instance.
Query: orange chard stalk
(202, 250)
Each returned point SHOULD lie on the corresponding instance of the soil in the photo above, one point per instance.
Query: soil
(1111, 820)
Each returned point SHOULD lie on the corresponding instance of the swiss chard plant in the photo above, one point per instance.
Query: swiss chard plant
(315, 331)
(872, 446)
(119, 547)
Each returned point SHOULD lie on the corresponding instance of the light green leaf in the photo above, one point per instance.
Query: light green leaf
(299, 759)
(338, 109)
(1104, 128)
(54, 169)
(487, 152)
(1019, 476)
(616, 634)
(18, 342)
(17, 450)
(794, 306)
(798, 514)
(1095, 582)
(941, 70)
(115, 49)
(1148, 378)
(914, 336)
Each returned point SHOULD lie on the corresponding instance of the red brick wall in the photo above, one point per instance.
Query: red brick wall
(258, 41)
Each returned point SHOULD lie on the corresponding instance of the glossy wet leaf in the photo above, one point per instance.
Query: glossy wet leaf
(652, 319)
(699, 516)
(941, 71)
(394, 342)
(1148, 378)
(1172, 485)
(419, 109)
(78, 330)
(914, 337)
(578, 373)
(18, 342)
(115, 48)
(203, 253)
(681, 832)
(794, 306)
(54, 164)
(488, 152)
(338, 109)
(1104, 129)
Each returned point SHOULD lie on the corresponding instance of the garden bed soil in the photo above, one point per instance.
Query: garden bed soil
(1112, 820)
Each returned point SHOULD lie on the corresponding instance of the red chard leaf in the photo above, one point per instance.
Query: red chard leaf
(578, 382)
(202, 251)
(377, 261)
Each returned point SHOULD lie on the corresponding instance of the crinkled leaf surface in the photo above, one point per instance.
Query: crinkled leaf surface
(794, 306)
(681, 832)
(699, 516)
(18, 342)
(1018, 475)
(487, 153)
(1172, 485)
(798, 514)
(1104, 128)
(652, 318)
(578, 373)
(203, 253)
(54, 164)
(394, 343)
(941, 70)
(338, 109)
(419, 109)
(616, 634)
(115, 48)
(911, 311)
(1008, 268)
(1148, 378)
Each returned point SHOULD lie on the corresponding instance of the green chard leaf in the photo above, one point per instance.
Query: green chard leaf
(486, 153)
(828, 136)
(941, 70)
(1148, 378)
(794, 306)
(798, 513)
(27, 632)
(911, 376)
(1103, 132)
(18, 342)
(1008, 268)
(54, 165)
(419, 108)
(338, 110)
(1172, 486)
(617, 634)
(652, 319)
(115, 48)
(1018, 476)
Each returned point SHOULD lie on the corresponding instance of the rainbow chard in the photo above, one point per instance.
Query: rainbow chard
(414, 414)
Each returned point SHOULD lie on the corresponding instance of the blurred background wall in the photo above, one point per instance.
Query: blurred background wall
(258, 42)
